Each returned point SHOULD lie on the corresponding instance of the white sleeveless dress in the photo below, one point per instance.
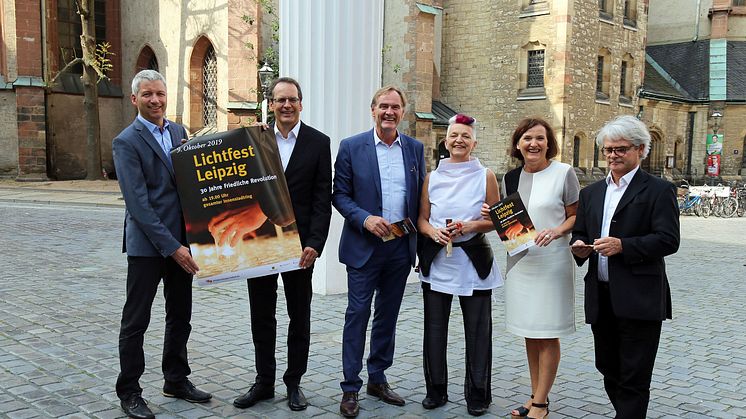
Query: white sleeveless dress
(539, 285)
(457, 191)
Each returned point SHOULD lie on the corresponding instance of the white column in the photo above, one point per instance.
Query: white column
(333, 48)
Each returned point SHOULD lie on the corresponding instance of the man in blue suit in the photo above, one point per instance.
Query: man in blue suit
(377, 181)
(155, 243)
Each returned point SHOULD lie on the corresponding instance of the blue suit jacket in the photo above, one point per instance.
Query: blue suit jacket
(153, 223)
(357, 193)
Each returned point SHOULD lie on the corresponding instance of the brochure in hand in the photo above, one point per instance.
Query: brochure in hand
(513, 225)
(400, 229)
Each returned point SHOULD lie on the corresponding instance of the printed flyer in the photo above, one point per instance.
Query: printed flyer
(513, 225)
(239, 217)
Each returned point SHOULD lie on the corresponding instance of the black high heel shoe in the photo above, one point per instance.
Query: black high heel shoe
(540, 406)
(522, 411)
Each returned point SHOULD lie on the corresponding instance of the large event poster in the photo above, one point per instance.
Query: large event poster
(714, 151)
(238, 213)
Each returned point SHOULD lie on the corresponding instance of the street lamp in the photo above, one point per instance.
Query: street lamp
(716, 117)
(265, 78)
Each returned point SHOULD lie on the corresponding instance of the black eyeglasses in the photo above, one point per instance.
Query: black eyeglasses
(283, 100)
(619, 151)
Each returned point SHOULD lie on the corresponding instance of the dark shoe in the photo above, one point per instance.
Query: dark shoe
(434, 402)
(385, 393)
(256, 393)
(540, 406)
(477, 411)
(186, 391)
(521, 411)
(135, 407)
(349, 407)
(296, 400)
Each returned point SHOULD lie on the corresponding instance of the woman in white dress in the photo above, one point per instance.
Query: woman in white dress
(539, 284)
(456, 259)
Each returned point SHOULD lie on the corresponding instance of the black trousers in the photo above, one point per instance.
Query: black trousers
(625, 356)
(143, 276)
(263, 304)
(477, 313)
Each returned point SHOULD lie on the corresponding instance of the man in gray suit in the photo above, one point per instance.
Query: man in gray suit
(155, 243)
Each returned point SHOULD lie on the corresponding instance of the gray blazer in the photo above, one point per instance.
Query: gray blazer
(153, 223)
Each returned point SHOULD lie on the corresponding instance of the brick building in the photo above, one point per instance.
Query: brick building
(206, 49)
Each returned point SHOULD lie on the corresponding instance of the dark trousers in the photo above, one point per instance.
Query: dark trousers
(263, 303)
(625, 356)
(477, 312)
(385, 275)
(143, 276)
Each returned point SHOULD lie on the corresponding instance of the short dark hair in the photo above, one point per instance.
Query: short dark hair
(275, 82)
(526, 124)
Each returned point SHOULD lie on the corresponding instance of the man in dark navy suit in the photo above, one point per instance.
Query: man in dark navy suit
(625, 225)
(377, 181)
(156, 247)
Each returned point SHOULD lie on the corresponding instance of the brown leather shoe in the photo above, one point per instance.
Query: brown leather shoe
(385, 393)
(349, 407)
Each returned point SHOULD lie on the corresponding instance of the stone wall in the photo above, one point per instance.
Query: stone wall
(67, 150)
(485, 48)
(9, 136)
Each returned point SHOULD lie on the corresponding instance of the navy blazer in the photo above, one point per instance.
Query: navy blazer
(357, 193)
(647, 222)
(153, 222)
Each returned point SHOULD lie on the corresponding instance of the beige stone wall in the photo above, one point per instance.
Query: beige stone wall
(9, 136)
(9, 38)
(171, 29)
(484, 60)
(734, 130)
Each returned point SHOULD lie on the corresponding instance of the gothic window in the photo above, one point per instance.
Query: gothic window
(69, 29)
(535, 69)
(625, 80)
(210, 89)
(147, 60)
(630, 13)
(739, 2)
(603, 62)
(605, 9)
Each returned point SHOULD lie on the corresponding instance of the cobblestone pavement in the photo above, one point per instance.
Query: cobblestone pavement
(62, 289)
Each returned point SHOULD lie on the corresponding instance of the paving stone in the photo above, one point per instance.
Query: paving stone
(59, 356)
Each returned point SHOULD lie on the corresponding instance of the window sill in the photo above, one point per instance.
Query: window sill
(625, 102)
(532, 93)
(536, 9)
(629, 24)
(605, 17)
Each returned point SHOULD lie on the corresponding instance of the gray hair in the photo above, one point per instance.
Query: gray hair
(149, 75)
(625, 127)
(473, 127)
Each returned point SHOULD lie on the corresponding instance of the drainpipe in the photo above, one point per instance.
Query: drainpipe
(696, 24)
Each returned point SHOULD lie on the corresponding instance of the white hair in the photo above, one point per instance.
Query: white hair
(625, 127)
(473, 126)
(149, 75)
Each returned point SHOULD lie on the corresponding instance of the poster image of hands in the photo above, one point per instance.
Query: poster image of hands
(513, 225)
(237, 209)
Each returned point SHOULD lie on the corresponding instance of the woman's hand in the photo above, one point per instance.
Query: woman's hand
(440, 236)
(485, 212)
(458, 228)
(546, 236)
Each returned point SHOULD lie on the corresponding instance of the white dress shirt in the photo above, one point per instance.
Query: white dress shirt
(161, 135)
(286, 145)
(613, 195)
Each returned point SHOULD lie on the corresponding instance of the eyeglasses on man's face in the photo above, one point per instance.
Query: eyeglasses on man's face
(619, 151)
(283, 100)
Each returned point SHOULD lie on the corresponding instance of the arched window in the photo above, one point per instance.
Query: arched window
(203, 86)
(576, 151)
(147, 60)
(210, 89)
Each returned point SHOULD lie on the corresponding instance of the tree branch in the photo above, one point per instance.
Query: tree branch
(65, 69)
